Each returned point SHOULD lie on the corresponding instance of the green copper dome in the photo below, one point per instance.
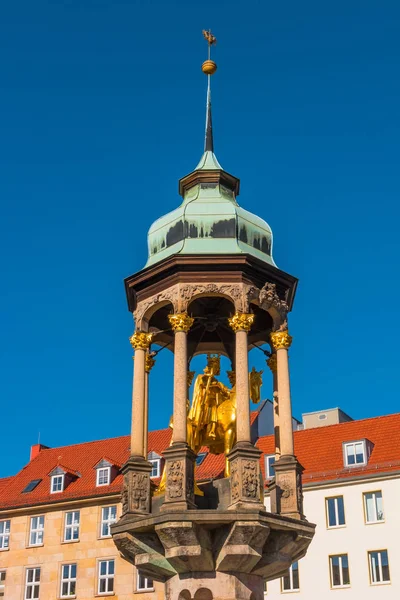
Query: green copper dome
(209, 220)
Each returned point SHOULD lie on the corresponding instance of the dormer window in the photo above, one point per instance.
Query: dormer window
(57, 483)
(103, 476)
(106, 471)
(269, 466)
(155, 460)
(356, 453)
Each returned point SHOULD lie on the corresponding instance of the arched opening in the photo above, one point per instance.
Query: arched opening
(203, 594)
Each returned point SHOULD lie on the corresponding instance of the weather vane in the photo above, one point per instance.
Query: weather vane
(209, 66)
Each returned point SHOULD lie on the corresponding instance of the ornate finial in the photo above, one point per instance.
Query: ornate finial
(141, 340)
(209, 66)
(211, 39)
(180, 322)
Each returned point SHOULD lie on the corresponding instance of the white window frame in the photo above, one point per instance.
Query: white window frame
(146, 587)
(268, 474)
(99, 475)
(68, 580)
(74, 525)
(5, 528)
(376, 520)
(372, 568)
(156, 463)
(37, 531)
(107, 577)
(55, 480)
(107, 521)
(336, 508)
(35, 583)
(2, 581)
(290, 573)
(347, 445)
(340, 557)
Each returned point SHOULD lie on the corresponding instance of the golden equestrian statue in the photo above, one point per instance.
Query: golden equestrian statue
(211, 420)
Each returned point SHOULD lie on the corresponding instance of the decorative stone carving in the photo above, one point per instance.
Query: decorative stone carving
(125, 499)
(241, 322)
(175, 479)
(251, 481)
(170, 295)
(281, 340)
(180, 322)
(268, 298)
(136, 490)
(245, 477)
(179, 487)
(141, 340)
(288, 495)
(235, 482)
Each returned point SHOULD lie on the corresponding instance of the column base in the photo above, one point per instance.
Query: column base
(136, 494)
(246, 483)
(179, 485)
(286, 490)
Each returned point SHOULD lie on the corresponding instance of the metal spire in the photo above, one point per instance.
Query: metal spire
(209, 67)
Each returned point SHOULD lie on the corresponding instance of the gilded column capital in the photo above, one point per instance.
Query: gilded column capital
(281, 339)
(180, 322)
(241, 322)
(272, 363)
(141, 340)
(149, 364)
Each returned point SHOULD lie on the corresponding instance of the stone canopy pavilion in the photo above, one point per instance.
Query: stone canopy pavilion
(210, 286)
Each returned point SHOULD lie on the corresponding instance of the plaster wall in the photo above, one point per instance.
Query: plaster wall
(355, 539)
(54, 552)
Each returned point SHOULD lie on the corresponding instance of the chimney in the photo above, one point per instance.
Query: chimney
(35, 449)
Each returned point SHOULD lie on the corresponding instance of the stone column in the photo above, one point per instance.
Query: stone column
(281, 341)
(181, 324)
(140, 343)
(241, 324)
(286, 490)
(179, 458)
(136, 496)
(244, 458)
(272, 364)
(149, 364)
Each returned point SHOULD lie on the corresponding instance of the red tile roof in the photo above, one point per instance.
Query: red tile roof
(319, 450)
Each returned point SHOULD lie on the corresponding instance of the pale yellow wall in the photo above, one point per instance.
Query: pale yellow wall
(55, 552)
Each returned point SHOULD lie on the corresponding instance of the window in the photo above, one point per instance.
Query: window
(155, 472)
(335, 511)
(144, 583)
(106, 577)
(4, 534)
(269, 468)
(57, 484)
(108, 516)
(68, 580)
(103, 476)
(200, 458)
(32, 583)
(71, 527)
(373, 507)
(355, 454)
(379, 566)
(31, 486)
(291, 582)
(340, 574)
(2, 584)
(36, 531)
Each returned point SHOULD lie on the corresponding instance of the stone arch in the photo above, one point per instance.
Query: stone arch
(184, 595)
(203, 594)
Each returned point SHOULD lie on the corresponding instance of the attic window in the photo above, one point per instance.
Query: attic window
(356, 453)
(31, 486)
(57, 483)
(200, 458)
(103, 476)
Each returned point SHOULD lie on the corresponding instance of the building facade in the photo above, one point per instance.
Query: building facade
(55, 516)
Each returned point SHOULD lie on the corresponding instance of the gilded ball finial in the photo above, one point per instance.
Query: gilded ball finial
(209, 66)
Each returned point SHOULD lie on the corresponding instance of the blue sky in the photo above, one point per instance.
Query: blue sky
(102, 110)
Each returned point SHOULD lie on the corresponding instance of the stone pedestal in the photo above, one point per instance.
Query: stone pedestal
(286, 490)
(246, 488)
(179, 486)
(136, 495)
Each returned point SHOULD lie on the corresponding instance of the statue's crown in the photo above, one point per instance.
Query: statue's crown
(214, 361)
